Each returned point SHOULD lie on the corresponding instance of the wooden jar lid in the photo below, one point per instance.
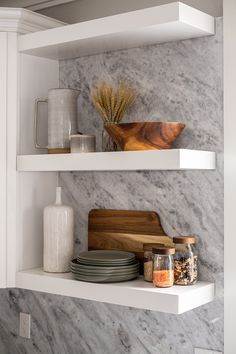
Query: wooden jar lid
(184, 239)
(164, 250)
(150, 246)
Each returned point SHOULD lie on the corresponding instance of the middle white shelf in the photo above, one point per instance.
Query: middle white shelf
(174, 159)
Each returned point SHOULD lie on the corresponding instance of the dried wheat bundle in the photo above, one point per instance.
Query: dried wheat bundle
(112, 102)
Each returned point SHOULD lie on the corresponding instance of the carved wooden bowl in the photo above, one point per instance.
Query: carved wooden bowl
(145, 135)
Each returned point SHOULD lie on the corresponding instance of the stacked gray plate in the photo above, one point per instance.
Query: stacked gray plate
(105, 266)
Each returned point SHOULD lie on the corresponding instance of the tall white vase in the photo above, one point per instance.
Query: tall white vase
(58, 236)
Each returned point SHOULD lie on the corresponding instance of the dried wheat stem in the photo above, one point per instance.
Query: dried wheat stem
(112, 103)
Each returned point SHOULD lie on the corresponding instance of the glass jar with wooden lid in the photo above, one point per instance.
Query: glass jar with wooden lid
(148, 260)
(185, 260)
(163, 266)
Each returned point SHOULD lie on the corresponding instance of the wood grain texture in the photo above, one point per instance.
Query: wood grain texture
(59, 151)
(124, 230)
(145, 135)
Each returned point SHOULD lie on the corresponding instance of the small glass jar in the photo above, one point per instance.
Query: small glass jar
(185, 260)
(163, 267)
(148, 260)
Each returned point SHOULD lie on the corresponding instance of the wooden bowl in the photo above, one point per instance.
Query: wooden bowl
(145, 135)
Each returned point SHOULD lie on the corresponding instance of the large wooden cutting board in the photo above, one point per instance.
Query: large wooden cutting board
(124, 230)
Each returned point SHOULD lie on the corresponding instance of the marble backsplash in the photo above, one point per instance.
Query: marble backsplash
(176, 81)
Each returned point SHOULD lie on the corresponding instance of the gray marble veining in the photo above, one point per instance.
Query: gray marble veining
(61, 325)
(176, 81)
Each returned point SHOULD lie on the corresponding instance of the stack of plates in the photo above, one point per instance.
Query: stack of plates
(105, 266)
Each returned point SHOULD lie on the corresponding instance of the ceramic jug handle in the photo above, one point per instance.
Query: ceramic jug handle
(36, 143)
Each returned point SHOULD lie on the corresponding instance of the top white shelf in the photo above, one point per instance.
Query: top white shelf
(165, 23)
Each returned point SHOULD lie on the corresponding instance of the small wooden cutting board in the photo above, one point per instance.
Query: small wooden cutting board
(125, 230)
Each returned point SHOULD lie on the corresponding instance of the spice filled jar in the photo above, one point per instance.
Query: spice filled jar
(148, 260)
(163, 267)
(185, 260)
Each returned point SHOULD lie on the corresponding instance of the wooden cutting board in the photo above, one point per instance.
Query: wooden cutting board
(124, 230)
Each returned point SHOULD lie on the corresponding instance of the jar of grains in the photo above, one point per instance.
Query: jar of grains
(185, 260)
(148, 260)
(163, 266)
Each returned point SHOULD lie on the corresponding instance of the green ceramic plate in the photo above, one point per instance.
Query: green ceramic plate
(75, 265)
(85, 266)
(109, 263)
(109, 276)
(105, 279)
(115, 274)
(95, 271)
(106, 256)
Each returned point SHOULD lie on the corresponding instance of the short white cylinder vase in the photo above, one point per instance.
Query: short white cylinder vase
(58, 236)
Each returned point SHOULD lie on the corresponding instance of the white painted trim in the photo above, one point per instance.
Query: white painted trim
(173, 159)
(24, 21)
(3, 157)
(12, 148)
(12, 22)
(229, 175)
(45, 4)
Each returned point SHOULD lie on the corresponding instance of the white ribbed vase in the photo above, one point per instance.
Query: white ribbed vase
(58, 222)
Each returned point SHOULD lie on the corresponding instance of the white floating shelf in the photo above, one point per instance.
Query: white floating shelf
(136, 293)
(165, 23)
(175, 159)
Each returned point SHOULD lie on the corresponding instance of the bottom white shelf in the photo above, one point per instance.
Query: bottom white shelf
(135, 293)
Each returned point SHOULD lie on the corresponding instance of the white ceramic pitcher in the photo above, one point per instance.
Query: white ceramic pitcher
(62, 119)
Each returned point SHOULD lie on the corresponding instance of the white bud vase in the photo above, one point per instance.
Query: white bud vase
(58, 222)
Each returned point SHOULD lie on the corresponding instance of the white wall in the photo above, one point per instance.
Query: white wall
(82, 10)
(230, 173)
